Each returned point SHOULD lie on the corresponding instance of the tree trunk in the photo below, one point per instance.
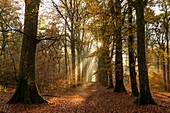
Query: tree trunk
(168, 71)
(145, 95)
(167, 50)
(103, 61)
(119, 86)
(73, 59)
(131, 54)
(73, 53)
(102, 75)
(26, 91)
(84, 70)
(65, 55)
(78, 44)
(164, 71)
(108, 62)
(79, 66)
(79, 56)
(110, 76)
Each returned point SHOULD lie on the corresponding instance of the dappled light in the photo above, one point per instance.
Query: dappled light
(71, 99)
(84, 56)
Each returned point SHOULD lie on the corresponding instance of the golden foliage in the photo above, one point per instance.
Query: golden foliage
(156, 79)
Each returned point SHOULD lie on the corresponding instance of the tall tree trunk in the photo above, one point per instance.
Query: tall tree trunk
(103, 61)
(73, 42)
(108, 61)
(84, 70)
(78, 44)
(65, 50)
(164, 71)
(166, 25)
(101, 71)
(145, 96)
(79, 56)
(119, 86)
(110, 76)
(131, 53)
(79, 66)
(26, 91)
(73, 53)
(4, 41)
(73, 59)
(168, 61)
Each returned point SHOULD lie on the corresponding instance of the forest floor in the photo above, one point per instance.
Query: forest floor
(91, 98)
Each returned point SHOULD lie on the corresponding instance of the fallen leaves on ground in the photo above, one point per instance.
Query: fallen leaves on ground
(91, 98)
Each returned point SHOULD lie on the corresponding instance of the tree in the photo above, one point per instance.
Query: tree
(72, 13)
(119, 86)
(131, 53)
(99, 24)
(145, 96)
(26, 91)
(160, 42)
(9, 41)
(166, 20)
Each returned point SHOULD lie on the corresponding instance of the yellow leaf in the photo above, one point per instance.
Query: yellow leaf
(9, 34)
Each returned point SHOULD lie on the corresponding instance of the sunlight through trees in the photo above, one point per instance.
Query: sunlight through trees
(58, 45)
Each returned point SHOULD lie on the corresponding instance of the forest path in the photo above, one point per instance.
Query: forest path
(90, 98)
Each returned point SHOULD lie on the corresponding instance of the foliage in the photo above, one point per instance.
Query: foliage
(10, 41)
(3, 89)
(78, 27)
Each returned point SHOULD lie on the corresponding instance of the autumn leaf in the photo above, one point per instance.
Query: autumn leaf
(89, 98)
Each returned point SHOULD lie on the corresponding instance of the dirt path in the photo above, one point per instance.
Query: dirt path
(91, 98)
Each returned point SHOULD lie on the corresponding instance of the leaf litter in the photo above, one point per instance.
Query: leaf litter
(90, 98)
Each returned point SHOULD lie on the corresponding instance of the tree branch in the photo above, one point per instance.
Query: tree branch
(65, 19)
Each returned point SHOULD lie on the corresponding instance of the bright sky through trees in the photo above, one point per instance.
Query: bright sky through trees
(48, 48)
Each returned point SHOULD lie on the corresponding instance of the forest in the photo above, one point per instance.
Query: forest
(84, 56)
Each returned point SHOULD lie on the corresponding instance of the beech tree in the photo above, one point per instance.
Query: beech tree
(145, 96)
(26, 91)
(72, 12)
(119, 86)
(166, 20)
(131, 52)
(160, 40)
